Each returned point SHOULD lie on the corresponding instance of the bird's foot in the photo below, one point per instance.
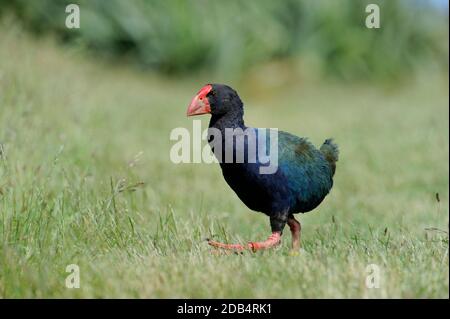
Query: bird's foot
(273, 240)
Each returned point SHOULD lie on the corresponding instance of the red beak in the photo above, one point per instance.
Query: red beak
(200, 104)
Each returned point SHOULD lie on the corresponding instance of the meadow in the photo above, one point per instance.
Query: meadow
(86, 179)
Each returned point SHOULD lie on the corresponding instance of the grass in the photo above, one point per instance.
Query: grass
(85, 178)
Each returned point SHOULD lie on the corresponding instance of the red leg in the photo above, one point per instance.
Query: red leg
(270, 242)
(295, 228)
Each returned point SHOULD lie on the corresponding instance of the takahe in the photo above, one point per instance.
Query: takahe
(304, 174)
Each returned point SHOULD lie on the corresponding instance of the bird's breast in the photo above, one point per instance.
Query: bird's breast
(267, 193)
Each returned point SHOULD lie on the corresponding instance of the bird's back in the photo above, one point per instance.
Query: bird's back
(309, 173)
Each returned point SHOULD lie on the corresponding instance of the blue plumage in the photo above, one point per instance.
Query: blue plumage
(303, 178)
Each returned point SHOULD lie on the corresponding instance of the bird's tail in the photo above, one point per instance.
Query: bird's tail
(331, 152)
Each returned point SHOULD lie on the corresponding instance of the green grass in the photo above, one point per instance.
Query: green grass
(85, 178)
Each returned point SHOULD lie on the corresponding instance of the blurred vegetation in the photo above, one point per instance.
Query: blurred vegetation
(182, 36)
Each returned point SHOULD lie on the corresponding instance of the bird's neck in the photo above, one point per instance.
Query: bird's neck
(228, 120)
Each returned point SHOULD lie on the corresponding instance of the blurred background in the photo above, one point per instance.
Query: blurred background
(85, 120)
(304, 38)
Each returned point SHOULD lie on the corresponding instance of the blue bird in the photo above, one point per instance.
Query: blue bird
(273, 172)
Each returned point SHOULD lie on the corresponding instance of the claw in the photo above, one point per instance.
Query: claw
(272, 241)
(216, 244)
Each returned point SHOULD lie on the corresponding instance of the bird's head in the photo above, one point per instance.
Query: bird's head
(216, 99)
